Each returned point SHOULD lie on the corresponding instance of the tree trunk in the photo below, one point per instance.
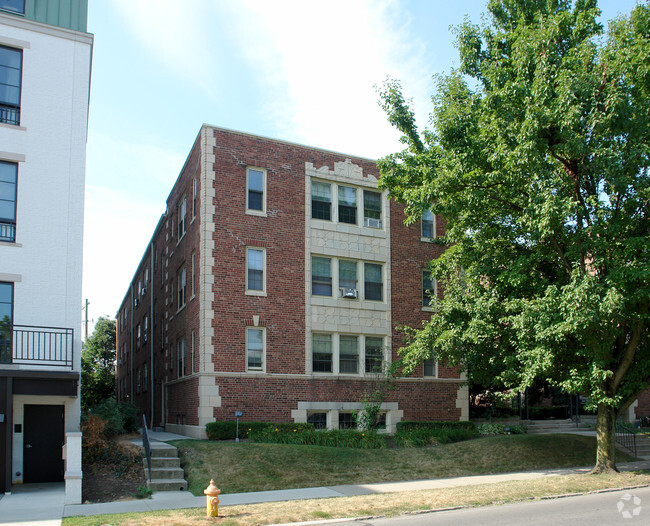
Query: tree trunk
(605, 440)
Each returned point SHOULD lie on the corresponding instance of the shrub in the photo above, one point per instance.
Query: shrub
(412, 426)
(94, 438)
(425, 436)
(500, 429)
(119, 417)
(293, 434)
(228, 430)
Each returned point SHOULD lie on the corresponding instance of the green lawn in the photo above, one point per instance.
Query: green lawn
(243, 467)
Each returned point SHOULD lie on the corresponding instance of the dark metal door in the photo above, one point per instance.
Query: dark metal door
(42, 443)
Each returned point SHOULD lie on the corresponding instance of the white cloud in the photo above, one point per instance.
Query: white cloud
(321, 61)
(176, 33)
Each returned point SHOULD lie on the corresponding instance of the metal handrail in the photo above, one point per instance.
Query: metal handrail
(38, 345)
(625, 437)
(146, 445)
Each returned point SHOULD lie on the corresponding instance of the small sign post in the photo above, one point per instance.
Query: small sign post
(238, 414)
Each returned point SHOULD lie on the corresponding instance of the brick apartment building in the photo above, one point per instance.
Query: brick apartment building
(273, 285)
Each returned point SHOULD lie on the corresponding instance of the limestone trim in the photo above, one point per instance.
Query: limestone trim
(462, 402)
(393, 413)
(208, 390)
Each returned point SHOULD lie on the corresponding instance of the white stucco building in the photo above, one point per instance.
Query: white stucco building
(45, 63)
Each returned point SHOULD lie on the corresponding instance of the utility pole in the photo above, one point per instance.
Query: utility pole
(86, 317)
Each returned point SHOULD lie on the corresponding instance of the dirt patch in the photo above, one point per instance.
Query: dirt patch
(114, 476)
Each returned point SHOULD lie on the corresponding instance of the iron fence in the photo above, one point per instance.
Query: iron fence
(38, 345)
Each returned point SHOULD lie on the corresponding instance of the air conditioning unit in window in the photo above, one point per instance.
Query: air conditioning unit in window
(349, 293)
(144, 290)
(371, 222)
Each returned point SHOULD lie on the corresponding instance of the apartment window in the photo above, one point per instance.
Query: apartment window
(194, 196)
(182, 217)
(11, 62)
(371, 209)
(138, 332)
(17, 6)
(145, 377)
(428, 225)
(321, 201)
(430, 367)
(321, 276)
(429, 288)
(346, 421)
(374, 354)
(181, 357)
(348, 354)
(6, 317)
(255, 269)
(373, 283)
(182, 286)
(192, 350)
(322, 353)
(347, 205)
(347, 276)
(146, 328)
(254, 349)
(255, 182)
(138, 378)
(193, 273)
(8, 186)
(319, 420)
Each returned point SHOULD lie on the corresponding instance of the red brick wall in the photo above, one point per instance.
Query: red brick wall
(643, 408)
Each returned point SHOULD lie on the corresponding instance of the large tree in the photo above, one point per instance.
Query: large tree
(98, 364)
(538, 157)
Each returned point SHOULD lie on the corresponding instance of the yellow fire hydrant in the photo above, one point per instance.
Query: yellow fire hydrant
(212, 500)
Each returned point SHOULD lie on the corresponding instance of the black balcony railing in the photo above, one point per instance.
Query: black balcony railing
(7, 231)
(9, 114)
(35, 345)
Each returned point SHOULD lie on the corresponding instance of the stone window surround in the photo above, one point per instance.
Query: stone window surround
(332, 409)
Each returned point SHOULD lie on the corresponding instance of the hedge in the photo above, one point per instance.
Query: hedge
(311, 437)
(228, 430)
(435, 425)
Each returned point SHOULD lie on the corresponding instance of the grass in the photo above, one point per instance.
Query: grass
(244, 467)
(374, 505)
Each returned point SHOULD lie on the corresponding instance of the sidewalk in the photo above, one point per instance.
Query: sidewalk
(183, 499)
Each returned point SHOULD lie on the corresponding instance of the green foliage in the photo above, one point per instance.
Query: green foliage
(98, 364)
(228, 430)
(494, 428)
(538, 160)
(119, 418)
(426, 436)
(347, 438)
(407, 425)
(143, 492)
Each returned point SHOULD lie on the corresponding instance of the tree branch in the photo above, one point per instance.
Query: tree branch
(628, 356)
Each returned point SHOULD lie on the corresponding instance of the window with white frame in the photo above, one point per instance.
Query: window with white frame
(371, 209)
(429, 288)
(348, 278)
(194, 197)
(322, 353)
(255, 186)
(321, 276)
(193, 275)
(255, 340)
(347, 353)
(255, 263)
(6, 317)
(428, 225)
(182, 217)
(430, 367)
(374, 355)
(17, 6)
(373, 282)
(181, 356)
(321, 200)
(347, 205)
(182, 286)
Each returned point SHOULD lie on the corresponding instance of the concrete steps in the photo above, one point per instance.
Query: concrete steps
(555, 426)
(642, 447)
(166, 471)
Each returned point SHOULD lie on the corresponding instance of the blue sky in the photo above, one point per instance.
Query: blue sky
(302, 71)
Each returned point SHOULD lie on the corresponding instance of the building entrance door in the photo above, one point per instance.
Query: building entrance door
(42, 443)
